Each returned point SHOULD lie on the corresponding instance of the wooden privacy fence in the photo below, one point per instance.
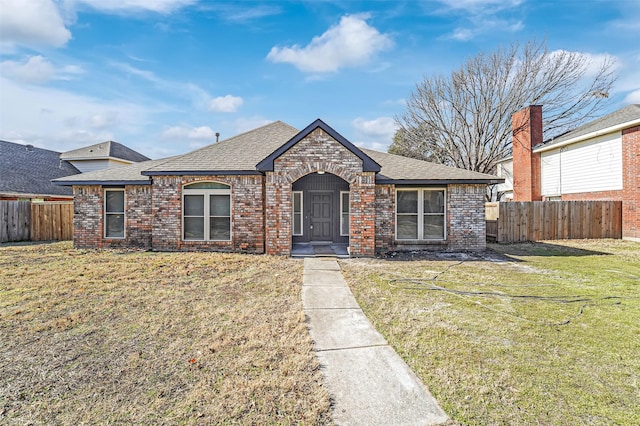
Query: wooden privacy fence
(24, 221)
(556, 220)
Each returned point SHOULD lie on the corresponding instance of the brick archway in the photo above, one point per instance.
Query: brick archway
(318, 151)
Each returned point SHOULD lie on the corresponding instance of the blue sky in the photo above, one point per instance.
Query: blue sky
(163, 76)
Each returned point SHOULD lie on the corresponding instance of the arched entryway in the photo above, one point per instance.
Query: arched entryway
(320, 215)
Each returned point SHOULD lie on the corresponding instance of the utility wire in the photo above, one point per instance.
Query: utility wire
(429, 285)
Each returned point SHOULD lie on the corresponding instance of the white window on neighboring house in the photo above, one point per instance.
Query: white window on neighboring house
(296, 219)
(344, 213)
(114, 213)
(420, 214)
(206, 212)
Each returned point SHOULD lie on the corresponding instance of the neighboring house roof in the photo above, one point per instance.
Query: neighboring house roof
(254, 151)
(237, 155)
(368, 165)
(399, 169)
(617, 120)
(25, 169)
(125, 175)
(104, 150)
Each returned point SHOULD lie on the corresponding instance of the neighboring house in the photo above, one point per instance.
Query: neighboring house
(597, 161)
(504, 169)
(26, 172)
(269, 188)
(103, 155)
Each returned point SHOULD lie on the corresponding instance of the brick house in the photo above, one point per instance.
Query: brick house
(274, 188)
(597, 161)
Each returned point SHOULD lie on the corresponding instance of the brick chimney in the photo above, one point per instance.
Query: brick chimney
(527, 133)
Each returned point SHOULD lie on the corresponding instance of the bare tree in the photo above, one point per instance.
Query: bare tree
(464, 119)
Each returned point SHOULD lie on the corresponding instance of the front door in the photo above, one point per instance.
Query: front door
(321, 219)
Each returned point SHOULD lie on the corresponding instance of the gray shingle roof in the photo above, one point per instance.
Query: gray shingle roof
(25, 169)
(239, 153)
(397, 168)
(104, 150)
(130, 174)
(621, 116)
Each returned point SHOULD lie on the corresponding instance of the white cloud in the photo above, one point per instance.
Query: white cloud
(241, 12)
(629, 78)
(463, 34)
(633, 97)
(200, 98)
(593, 61)
(120, 6)
(376, 134)
(381, 126)
(202, 133)
(350, 43)
(59, 120)
(104, 120)
(226, 103)
(245, 124)
(480, 5)
(32, 23)
(482, 25)
(479, 17)
(37, 70)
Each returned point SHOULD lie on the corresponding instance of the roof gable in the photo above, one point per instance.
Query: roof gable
(104, 150)
(368, 164)
(130, 174)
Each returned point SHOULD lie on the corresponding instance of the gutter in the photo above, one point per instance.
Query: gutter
(439, 181)
(199, 172)
(591, 135)
(101, 182)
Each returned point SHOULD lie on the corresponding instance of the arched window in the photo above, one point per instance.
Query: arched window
(206, 212)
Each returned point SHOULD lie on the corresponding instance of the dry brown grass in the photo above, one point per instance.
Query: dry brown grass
(136, 337)
(492, 359)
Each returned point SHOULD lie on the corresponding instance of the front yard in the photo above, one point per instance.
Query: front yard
(545, 333)
(134, 337)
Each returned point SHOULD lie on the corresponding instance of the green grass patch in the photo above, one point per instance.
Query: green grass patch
(544, 333)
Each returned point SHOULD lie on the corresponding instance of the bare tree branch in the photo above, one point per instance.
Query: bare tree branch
(464, 119)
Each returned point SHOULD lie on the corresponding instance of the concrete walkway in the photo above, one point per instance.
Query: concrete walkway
(368, 382)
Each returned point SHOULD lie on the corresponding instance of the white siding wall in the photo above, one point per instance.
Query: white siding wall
(550, 172)
(589, 166)
(92, 165)
(505, 170)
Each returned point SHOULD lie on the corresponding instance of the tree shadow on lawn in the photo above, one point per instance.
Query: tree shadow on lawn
(494, 253)
(542, 249)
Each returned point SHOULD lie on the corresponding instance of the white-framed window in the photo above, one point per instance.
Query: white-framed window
(421, 214)
(206, 212)
(114, 213)
(296, 219)
(344, 213)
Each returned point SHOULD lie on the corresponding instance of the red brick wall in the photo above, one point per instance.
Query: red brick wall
(466, 219)
(587, 196)
(527, 132)
(88, 218)
(385, 217)
(466, 229)
(631, 182)
(247, 224)
(319, 151)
